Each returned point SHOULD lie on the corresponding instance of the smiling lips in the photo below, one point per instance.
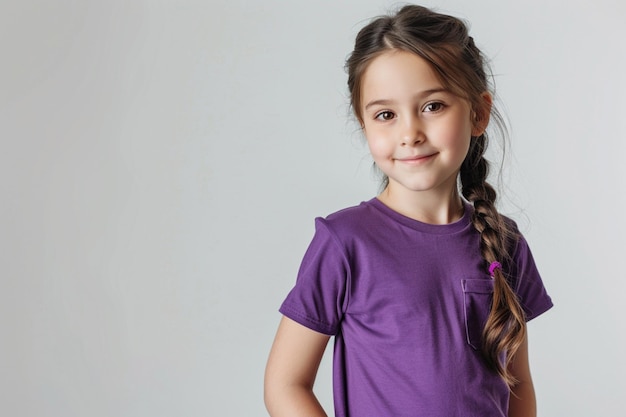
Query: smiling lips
(417, 159)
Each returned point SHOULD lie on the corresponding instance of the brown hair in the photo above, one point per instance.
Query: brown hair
(444, 42)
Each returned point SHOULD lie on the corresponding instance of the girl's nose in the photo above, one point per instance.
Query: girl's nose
(412, 133)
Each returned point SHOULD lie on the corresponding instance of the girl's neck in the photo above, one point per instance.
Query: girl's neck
(431, 208)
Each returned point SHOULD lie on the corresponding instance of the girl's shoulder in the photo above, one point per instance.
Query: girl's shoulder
(364, 209)
(350, 221)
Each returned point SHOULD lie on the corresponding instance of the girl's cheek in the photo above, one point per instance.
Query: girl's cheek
(380, 150)
(375, 143)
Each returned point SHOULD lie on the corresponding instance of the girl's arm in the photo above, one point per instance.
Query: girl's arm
(522, 402)
(291, 370)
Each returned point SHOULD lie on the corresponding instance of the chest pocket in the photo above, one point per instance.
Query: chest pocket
(477, 296)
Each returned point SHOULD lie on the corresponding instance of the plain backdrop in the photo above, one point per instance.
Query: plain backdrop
(161, 164)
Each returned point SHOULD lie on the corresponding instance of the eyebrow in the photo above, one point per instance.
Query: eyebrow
(422, 94)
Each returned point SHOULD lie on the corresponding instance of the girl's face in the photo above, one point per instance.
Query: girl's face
(417, 131)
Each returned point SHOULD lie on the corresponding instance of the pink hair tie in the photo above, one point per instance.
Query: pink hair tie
(493, 266)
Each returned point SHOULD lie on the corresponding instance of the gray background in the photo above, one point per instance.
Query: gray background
(162, 162)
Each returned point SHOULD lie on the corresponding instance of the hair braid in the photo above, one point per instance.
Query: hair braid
(505, 329)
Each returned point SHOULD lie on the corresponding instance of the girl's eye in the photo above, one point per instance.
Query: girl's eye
(433, 107)
(385, 115)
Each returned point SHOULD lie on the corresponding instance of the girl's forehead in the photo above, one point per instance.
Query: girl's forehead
(398, 73)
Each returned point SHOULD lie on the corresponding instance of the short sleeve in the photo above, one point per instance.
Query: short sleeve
(528, 284)
(317, 299)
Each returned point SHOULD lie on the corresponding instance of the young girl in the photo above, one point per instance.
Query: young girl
(427, 288)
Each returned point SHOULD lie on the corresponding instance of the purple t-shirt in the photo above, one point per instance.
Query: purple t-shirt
(406, 302)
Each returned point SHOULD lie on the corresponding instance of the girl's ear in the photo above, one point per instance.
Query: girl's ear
(480, 115)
